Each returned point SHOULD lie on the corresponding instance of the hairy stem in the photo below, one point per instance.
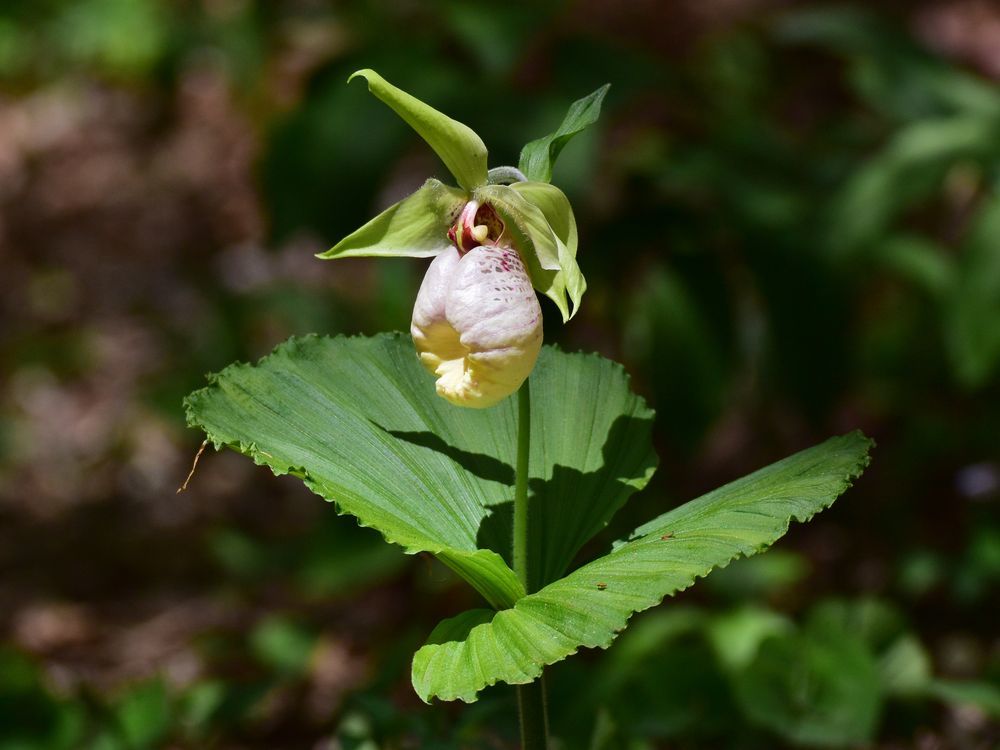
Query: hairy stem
(530, 698)
(505, 176)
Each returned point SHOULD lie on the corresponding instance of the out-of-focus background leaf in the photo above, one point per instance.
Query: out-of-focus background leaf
(788, 220)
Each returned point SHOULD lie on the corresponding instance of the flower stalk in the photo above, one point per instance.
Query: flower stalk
(520, 535)
(531, 699)
(533, 711)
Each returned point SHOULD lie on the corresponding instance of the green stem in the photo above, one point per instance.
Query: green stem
(531, 703)
(521, 484)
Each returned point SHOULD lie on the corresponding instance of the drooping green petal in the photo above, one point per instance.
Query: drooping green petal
(555, 207)
(550, 262)
(461, 150)
(539, 156)
(591, 605)
(557, 210)
(514, 208)
(416, 227)
(553, 285)
(573, 278)
(358, 420)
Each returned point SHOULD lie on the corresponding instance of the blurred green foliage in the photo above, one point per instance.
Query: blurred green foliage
(789, 223)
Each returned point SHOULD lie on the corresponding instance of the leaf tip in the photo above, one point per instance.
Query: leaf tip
(366, 73)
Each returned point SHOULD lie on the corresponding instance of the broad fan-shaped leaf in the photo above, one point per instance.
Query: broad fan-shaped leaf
(591, 605)
(359, 421)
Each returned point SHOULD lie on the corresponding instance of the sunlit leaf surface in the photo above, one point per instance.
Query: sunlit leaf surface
(591, 605)
(359, 421)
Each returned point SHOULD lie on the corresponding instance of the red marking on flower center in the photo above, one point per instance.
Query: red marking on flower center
(477, 225)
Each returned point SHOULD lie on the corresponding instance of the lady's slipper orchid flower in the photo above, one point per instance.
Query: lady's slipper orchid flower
(477, 323)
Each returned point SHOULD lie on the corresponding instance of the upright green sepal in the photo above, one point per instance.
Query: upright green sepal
(539, 156)
(416, 227)
(461, 150)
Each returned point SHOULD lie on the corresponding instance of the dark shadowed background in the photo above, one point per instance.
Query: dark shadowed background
(790, 223)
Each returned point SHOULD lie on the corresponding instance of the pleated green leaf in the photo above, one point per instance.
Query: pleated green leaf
(591, 605)
(359, 421)
(461, 150)
(416, 227)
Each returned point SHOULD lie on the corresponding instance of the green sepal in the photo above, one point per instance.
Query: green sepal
(461, 150)
(539, 156)
(416, 227)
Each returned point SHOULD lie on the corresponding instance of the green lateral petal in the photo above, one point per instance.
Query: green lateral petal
(461, 150)
(557, 210)
(576, 284)
(555, 207)
(358, 420)
(550, 283)
(416, 227)
(514, 208)
(553, 285)
(539, 156)
(545, 254)
(591, 605)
